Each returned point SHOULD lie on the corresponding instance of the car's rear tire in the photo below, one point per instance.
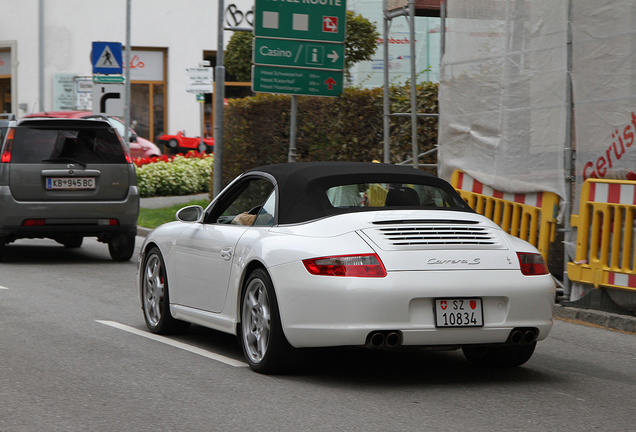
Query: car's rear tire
(499, 356)
(261, 336)
(121, 247)
(2, 246)
(155, 299)
(72, 241)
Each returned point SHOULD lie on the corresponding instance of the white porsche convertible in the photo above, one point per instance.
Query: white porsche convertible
(346, 254)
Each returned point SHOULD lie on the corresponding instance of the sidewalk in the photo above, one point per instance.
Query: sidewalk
(159, 202)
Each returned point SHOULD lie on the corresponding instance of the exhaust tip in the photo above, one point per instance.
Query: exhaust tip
(516, 337)
(393, 339)
(384, 339)
(377, 340)
(523, 335)
(529, 337)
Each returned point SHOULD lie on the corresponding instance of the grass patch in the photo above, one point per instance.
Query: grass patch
(152, 218)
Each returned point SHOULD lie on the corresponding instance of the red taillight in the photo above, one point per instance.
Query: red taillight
(532, 264)
(368, 265)
(33, 222)
(105, 222)
(8, 147)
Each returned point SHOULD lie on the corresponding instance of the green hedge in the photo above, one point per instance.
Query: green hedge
(182, 176)
(348, 128)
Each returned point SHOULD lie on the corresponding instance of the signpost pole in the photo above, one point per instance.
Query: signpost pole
(414, 145)
(386, 109)
(127, 75)
(201, 145)
(219, 94)
(292, 130)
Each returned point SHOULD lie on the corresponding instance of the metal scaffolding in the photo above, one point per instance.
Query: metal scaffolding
(395, 10)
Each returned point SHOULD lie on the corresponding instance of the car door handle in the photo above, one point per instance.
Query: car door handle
(226, 253)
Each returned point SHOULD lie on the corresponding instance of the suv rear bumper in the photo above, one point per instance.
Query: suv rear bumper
(86, 218)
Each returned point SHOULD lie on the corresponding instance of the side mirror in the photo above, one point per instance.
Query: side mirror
(190, 214)
(132, 137)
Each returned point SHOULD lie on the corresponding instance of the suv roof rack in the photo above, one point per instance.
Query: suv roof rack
(7, 116)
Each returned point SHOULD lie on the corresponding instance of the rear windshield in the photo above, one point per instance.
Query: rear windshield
(83, 145)
(392, 195)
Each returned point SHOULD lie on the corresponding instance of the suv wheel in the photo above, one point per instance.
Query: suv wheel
(1, 249)
(121, 247)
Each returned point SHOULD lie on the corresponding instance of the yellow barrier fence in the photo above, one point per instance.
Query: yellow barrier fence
(605, 235)
(531, 217)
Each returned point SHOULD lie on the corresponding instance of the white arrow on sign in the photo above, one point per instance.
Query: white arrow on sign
(108, 99)
(333, 56)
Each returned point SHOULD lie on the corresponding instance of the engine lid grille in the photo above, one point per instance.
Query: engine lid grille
(435, 235)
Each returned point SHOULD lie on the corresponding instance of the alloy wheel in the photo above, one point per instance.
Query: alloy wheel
(153, 290)
(256, 320)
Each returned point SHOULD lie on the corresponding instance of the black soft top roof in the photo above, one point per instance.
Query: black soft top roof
(302, 185)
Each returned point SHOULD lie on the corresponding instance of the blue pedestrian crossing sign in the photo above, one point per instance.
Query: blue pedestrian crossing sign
(107, 58)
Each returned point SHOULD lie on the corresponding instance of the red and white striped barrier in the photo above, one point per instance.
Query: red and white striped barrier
(467, 183)
(613, 193)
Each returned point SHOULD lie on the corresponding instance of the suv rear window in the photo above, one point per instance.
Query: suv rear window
(84, 145)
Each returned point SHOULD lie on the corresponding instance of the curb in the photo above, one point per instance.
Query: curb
(595, 317)
(143, 232)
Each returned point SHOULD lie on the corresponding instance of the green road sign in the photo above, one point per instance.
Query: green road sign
(315, 20)
(307, 82)
(105, 79)
(294, 53)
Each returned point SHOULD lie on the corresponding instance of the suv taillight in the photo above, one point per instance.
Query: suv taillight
(8, 146)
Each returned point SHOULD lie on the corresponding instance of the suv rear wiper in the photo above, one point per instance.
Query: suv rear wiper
(66, 159)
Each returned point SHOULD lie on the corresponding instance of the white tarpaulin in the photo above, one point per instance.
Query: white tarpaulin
(604, 89)
(503, 93)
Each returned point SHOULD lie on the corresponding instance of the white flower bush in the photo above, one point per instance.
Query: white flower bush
(181, 176)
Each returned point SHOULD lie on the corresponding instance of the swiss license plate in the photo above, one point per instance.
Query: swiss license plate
(70, 183)
(454, 312)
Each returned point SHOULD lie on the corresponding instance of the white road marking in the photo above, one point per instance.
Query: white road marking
(1, 287)
(176, 344)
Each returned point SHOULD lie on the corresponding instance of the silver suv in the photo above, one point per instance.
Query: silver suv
(67, 179)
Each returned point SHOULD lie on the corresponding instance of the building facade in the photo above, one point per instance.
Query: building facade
(166, 38)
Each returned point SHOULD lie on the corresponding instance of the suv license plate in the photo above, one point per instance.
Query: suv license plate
(70, 183)
(464, 312)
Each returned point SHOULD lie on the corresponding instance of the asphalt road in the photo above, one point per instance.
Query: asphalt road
(75, 356)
